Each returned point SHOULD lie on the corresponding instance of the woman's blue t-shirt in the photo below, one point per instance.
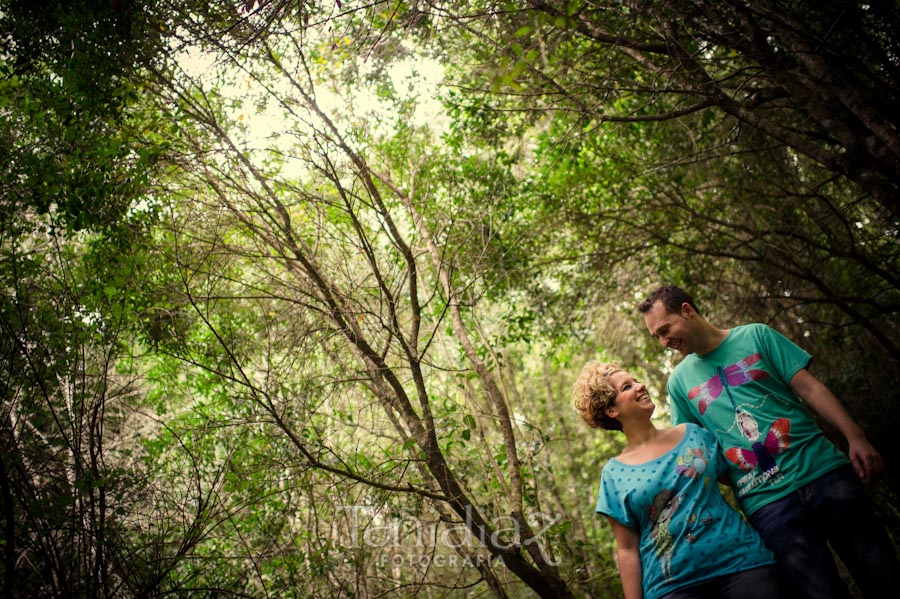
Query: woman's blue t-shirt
(688, 532)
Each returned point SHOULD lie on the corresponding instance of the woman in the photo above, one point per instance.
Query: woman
(676, 536)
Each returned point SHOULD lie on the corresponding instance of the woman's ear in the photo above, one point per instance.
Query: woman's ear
(611, 411)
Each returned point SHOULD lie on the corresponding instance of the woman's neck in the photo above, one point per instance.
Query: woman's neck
(640, 434)
(646, 442)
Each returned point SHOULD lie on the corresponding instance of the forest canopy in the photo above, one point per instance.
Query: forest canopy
(295, 291)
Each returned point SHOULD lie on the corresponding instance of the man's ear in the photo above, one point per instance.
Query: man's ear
(687, 310)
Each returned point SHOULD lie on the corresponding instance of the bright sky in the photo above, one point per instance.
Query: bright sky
(417, 78)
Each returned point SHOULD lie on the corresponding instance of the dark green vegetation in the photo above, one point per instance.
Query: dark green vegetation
(262, 339)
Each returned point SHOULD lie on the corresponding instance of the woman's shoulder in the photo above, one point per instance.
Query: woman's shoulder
(668, 442)
(698, 432)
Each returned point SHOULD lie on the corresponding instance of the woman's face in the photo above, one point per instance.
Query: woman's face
(631, 395)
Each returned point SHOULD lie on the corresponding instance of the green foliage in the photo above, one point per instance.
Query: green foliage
(69, 145)
(65, 415)
(269, 332)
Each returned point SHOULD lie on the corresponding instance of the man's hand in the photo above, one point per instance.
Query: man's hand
(866, 460)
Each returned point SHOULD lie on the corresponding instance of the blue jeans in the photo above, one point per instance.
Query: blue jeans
(832, 510)
(758, 583)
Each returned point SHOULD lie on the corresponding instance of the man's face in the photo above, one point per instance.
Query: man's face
(672, 330)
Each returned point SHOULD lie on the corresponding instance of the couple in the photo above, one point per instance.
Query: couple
(738, 419)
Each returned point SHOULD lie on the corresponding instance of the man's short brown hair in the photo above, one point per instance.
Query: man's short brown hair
(672, 298)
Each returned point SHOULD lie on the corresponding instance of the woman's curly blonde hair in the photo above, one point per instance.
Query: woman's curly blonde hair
(594, 393)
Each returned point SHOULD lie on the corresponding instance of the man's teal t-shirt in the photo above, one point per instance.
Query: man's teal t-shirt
(741, 392)
(688, 532)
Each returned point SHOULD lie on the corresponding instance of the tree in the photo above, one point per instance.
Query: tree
(68, 79)
(819, 80)
(714, 145)
(75, 165)
(721, 138)
(335, 229)
(321, 339)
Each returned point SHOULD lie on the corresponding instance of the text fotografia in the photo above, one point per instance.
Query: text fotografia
(369, 528)
(424, 561)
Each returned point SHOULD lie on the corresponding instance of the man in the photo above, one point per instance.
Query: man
(797, 489)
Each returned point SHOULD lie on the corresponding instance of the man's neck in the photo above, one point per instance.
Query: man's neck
(710, 338)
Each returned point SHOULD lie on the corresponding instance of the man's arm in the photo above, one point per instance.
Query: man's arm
(629, 557)
(865, 458)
